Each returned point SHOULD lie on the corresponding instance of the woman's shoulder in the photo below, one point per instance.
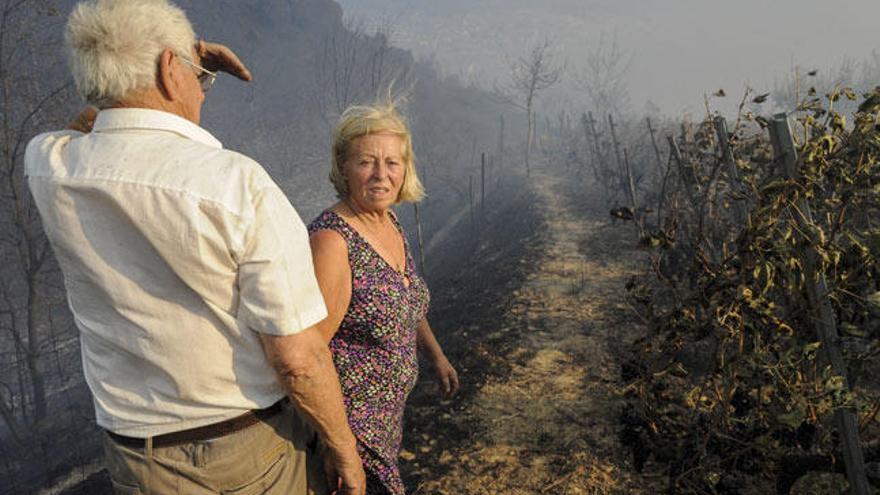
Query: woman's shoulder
(328, 242)
(327, 220)
(328, 233)
(330, 227)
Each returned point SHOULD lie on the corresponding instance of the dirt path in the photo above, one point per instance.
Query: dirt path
(541, 417)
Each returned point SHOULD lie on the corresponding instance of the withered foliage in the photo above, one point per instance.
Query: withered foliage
(731, 384)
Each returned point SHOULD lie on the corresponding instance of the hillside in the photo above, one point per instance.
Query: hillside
(282, 119)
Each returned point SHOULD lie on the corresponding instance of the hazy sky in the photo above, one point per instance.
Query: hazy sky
(682, 48)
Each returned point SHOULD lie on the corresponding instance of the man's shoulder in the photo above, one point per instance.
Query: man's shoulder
(149, 160)
(50, 137)
(40, 149)
(224, 163)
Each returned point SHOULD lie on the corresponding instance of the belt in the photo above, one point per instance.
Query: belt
(200, 433)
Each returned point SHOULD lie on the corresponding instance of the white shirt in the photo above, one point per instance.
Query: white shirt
(174, 252)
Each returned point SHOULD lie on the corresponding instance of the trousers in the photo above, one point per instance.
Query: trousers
(280, 455)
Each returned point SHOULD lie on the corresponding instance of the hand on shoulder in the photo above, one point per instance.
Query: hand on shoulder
(84, 121)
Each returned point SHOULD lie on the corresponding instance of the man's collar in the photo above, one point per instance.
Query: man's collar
(144, 118)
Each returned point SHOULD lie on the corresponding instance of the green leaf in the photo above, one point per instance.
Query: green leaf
(850, 329)
(676, 369)
(811, 349)
(835, 383)
(792, 419)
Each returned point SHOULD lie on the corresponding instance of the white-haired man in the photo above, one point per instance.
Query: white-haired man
(188, 274)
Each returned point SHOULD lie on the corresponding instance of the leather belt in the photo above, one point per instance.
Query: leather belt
(200, 433)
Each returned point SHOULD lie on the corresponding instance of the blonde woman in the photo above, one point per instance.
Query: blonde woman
(377, 303)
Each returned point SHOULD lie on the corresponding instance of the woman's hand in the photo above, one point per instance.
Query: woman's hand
(216, 57)
(447, 377)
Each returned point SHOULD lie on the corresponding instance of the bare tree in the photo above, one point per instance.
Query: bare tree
(355, 66)
(30, 100)
(870, 71)
(800, 84)
(603, 76)
(529, 75)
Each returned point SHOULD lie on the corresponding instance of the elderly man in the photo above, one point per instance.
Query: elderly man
(188, 274)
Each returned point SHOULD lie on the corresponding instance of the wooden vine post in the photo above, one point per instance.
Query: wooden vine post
(684, 171)
(729, 161)
(419, 239)
(663, 171)
(501, 143)
(654, 145)
(631, 191)
(471, 201)
(590, 127)
(616, 144)
(826, 327)
(473, 153)
(483, 185)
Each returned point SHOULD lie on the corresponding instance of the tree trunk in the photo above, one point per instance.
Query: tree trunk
(38, 387)
(529, 141)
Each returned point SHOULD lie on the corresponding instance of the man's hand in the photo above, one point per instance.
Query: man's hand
(84, 121)
(305, 369)
(216, 57)
(345, 475)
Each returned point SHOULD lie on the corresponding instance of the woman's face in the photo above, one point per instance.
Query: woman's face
(374, 170)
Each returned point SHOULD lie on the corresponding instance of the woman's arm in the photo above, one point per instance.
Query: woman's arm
(447, 377)
(330, 257)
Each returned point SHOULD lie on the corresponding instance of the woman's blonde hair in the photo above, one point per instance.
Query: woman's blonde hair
(362, 120)
(114, 45)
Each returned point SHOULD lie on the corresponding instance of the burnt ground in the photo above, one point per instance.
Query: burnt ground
(533, 319)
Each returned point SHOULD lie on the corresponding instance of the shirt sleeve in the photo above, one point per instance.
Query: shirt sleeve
(278, 291)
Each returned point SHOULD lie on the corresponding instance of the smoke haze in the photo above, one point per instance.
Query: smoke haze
(681, 48)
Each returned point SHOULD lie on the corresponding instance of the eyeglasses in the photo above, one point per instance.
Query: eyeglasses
(206, 78)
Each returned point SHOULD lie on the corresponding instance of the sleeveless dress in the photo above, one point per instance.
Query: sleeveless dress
(374, 351)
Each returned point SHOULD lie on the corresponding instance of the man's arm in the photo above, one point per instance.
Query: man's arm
(280, 299)
(305, 369)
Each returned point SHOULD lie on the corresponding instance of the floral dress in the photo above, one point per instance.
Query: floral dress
(374, 351)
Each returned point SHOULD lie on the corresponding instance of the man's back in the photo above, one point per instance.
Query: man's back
(188, 272)
(152, 223)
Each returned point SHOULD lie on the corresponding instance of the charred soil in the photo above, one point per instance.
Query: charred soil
(534, 317)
